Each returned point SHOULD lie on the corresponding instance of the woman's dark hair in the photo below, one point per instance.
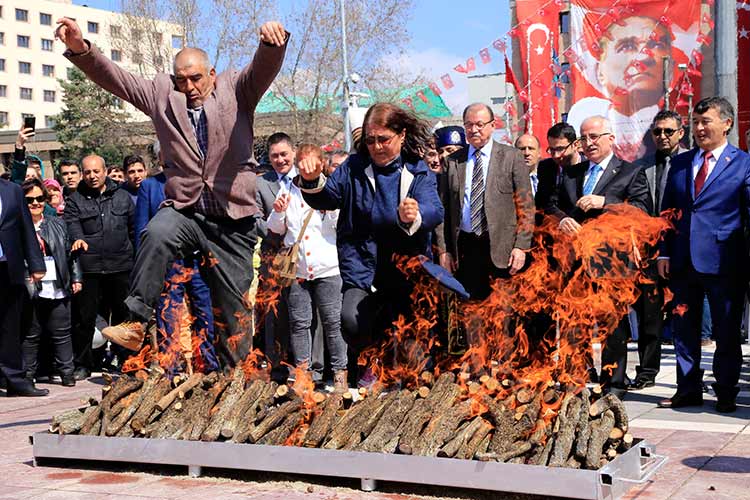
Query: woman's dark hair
(390, 116)
(30, 184)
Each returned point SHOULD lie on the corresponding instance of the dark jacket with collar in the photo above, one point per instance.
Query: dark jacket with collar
(267, 188)
(648, 163)
(106, 222)
(17, 235)
(350, 190)
(57, 243)
(620, 182)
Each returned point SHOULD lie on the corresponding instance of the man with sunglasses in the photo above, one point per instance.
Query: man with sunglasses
(667, 133)
(585, 191)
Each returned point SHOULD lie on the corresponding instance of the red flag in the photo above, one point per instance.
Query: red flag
(500, 45)
(470, 66)
(421, 96)
(743, 70)
(447, 81)
(485, 55)
(435, 89)
(510, 77)
(407, 101)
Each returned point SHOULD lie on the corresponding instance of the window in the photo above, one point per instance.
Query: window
(3, 91)
(565, 22)
(45, 19)
(24, 67)
(565, 72)
(158, 38)
(26, 93)
(3, 117)
(2, 64)
(2, 38)
(49, 121)
(176, 42)
(23, 41)
(497, 101)
(48, 70)
(116, 55)
(136, 34)
(22, 15)
(49, 96)
(47, 44)
(115, 31)
(93, 27)
(137, 57)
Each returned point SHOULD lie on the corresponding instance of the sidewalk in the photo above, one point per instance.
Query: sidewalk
(709, 456)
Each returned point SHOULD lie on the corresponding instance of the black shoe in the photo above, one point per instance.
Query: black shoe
(593, 376)
(682, 400)
(81, 373)
(726, 406)
(25, 388)
(641, 384)
(68, 380)
(618, 392)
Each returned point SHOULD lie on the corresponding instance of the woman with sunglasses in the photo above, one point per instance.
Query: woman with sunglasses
(50, 297)
(389, 206)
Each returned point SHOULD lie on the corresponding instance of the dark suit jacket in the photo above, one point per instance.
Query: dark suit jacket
(17, 235)
(546, 189)
(710, 231)
(619, 183)
(267, 188)
(648, 163)
(508, 203)
(150, 197)
(229, 166)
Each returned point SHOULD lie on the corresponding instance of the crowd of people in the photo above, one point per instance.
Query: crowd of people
(176, 247)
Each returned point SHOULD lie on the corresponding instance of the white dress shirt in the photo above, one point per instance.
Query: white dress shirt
(698, 163)
(485, 152)
(318, 256)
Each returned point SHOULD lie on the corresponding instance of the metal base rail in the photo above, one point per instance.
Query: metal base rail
(612, 481)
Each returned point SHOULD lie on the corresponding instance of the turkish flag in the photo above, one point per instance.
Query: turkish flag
(743, 70)
(470, 66)
(484, 54)
(435, 89)
(421, 96)
(538, 37)
(447, 81)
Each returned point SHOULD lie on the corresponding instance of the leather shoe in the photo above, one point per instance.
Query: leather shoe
(682, 400)
(726, 406)
(68, 380)
(81, 373)
(25, 389)
(641, 384)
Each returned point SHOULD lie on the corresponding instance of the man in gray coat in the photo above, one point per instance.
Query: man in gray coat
(489, 209)
(204, 123)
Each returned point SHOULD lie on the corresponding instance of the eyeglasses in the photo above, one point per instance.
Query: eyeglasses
(37, 199)
(479, 125)
(558, 149)
(669, 132)
(592, 138)
(380, 139)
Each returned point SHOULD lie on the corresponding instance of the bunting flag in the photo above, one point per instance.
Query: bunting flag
(435, 89)
(538, 40)
(743, 70)
(484, 54)
(617, 59)
(422, 96)
(447, 81)
(470, 66)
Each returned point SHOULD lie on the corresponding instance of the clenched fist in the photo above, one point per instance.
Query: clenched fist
(408, 210)
(70, 34)
(273, 33)
(310, 168)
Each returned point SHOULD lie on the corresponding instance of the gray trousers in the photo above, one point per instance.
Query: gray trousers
(227, 245)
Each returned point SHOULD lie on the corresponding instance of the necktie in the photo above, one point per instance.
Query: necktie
(478, 218)
(700, 179)
(594, 171)
(534, 183)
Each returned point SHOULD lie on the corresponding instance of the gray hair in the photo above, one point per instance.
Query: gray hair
(606, 124)
(200, 54)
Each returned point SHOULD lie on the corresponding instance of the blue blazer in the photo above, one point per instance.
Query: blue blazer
(150, 197)
(710, 230)
(17, 234)
(349, 190)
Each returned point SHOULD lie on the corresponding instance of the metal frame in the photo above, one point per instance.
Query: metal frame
(610, 482)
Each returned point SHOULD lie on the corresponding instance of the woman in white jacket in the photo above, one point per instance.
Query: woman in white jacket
(318, 279)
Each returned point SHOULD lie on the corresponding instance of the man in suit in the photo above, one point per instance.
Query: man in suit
(19, 253)
(204, 124)
(586, 190)
(667, 133)
(709, 186)
(563, 150)
(489, 210)
(529, 147)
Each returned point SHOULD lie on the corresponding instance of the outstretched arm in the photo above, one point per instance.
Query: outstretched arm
(134, 89)
(257, 76)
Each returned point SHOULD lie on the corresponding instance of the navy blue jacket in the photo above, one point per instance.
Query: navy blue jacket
(349, 190)
(710, 231)
(17, 234)
(150, 197)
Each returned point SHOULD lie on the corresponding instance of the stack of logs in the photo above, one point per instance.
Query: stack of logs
(487, 419)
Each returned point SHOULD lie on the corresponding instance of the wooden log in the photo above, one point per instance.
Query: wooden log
(182, 388)
(423, 392)
(568, 416)
(444, 393)
(247, 424)
(229, 398)
(281, 433)
(573, 463)
(541, 456)
(626, 443)
(347, 400)
(427, 378)
(583, 427)
(148, 404)
(122, 387)
(274, 418)
(616, 434)
(92, 423)
(350, 423)
(611, 402)
(517, 449)
(368, 424)
(390, 423)
(599, 434)
(202, 415)
(481, 436)
(491, 384)
(461, 437)
(524, 396)
(322, 423)
(238, 411)
(596, 392)
(441, 427)
(71, 422)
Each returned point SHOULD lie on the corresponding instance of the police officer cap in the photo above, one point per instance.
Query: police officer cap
(450, 136)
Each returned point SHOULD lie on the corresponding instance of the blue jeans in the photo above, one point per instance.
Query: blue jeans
(325, 295)
(169, 308)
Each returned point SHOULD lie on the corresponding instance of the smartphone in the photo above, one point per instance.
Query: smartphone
(29, 122)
